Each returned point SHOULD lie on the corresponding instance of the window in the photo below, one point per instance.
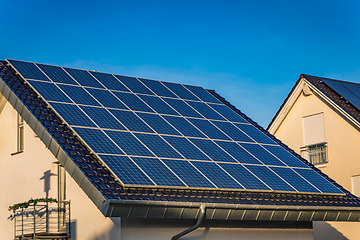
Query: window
(20, 134)
(315, 154)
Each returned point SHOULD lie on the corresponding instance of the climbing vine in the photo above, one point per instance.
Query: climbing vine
(31, 201)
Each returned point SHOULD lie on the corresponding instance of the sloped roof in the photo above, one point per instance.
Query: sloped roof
(115, 199)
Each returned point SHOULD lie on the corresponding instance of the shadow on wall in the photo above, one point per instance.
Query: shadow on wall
(46, 178)
(114, 233)
(324, 231)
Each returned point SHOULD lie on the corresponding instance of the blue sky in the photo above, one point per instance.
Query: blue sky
(250, 52)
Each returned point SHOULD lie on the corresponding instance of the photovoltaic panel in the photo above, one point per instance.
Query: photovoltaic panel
(158, 172)
(186, 148)
(158, 105)
(131, 121)
(229, 114)
(132, 102)
(202, 94)
(134, 85)
(129, 144)
(208, 129)
(158, 88)
(145, 142)
(184, 126)
(130, 173)
(79, 95)
(73, 115)
(181, 91)
(106, 98)
(103, 118)
(157, 123)
(188, 173)
(109, 81)
(56, 74)
(50, 91)
(84, 78)
(205, 110)
(244, 177)
(239, 153)
(29, 70)
(216, 175)
(181, 107)
(212, 150)
(158, 146)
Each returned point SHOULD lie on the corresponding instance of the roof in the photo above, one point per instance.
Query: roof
(114, 198)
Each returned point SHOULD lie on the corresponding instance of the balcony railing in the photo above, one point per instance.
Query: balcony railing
(43, 221)
(316, 154)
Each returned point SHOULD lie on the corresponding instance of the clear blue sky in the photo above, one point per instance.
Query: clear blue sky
(250, 52)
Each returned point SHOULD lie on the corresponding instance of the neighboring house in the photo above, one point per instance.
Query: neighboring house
(320, 119)
(145, 159)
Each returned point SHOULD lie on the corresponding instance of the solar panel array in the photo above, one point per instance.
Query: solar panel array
(349, 91)
(154, 133)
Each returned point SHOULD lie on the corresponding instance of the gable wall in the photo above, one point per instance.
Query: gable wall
(343, 150)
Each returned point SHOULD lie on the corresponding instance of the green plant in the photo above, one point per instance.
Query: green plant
(31, 201)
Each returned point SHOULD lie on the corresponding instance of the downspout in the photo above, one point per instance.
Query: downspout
(201, 217)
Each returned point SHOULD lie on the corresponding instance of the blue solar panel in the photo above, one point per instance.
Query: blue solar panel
(29, 70)
(157, 123)
(131, 121)
(158, 105)
(103, 118)
(72, 114)
(294, 179)
(158, 172)
(181, 107)
(212, 150)
(133, 102)
(270, 178)
(239, 153)
(98, 141)
(158, 88)
(254, 133)
(232, 131)
(183, 126)
(186, 171)
(130, 173)
(57, 74)
(216, 175)
(84, 78)
(109, 81)
(145, 142)
(50, 91)
(229, 114)
(205, 110)
(202, 94)
(260, 153)
(128, 143)
(321, 183)
(106, 98)
(158, 146)
(186, 148)
(79, 95)
(244, 177)
(180, 91)
(134, 85)
(208, 129)
(349, 91)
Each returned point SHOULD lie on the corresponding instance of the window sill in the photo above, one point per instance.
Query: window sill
(16, 153)
(320, 165)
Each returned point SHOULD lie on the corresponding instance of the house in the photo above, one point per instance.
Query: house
(320, 119)
(132, 158)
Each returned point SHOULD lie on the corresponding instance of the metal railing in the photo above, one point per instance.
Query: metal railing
(43, 221)
(316, 154)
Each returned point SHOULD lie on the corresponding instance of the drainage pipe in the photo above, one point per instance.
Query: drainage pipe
(201, 217)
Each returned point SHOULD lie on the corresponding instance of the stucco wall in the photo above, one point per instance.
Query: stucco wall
(343, 150)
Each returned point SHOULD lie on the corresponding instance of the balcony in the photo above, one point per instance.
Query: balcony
(43, 221)
(315, 154)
